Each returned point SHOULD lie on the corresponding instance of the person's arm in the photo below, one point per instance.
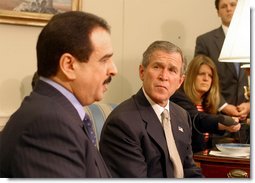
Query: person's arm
(222, 103)
(244, 110)
(121, 150)
(230, 110)
(49, 149)
(202, 121)
(230, 124)
(226, 108)
(232, 128)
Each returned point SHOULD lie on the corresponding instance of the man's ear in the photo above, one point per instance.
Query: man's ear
(67, 64)
(141, 72)
(181, 79)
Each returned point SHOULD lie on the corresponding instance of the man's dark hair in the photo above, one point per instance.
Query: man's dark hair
(67, 32)
(217, 4)
(34, 80)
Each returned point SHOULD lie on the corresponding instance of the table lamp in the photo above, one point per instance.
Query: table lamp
(236, 46)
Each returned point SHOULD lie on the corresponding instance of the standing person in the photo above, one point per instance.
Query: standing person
(200, 96)
(232, 80)
(133, 141)
(46, 136)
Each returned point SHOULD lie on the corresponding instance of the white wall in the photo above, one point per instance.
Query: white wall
(135, 24)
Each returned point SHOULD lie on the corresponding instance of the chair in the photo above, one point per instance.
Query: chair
(98, 112)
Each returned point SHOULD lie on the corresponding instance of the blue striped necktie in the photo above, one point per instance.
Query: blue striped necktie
(89, 129)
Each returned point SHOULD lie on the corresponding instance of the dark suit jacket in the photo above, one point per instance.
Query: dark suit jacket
(133, 144)
(45, 137)
(201, 122)
(232, 86)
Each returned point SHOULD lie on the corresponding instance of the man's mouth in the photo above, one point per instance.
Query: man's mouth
(161, 86)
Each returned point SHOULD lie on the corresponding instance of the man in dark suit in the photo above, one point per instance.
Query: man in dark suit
(232, 80)
(133, 142)
(46, 136)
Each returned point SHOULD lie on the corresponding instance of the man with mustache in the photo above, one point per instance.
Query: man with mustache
(50, 135)
(134, 140)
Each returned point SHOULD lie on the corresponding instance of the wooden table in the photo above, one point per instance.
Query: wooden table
(219, 167)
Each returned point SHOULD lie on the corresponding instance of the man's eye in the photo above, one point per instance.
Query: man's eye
(172, 70)
(233, 4)
(224, 6)
(104, 60)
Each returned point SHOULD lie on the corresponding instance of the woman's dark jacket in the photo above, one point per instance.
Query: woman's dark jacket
(202, 122)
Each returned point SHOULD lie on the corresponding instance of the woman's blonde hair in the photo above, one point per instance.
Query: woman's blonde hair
(211, 99)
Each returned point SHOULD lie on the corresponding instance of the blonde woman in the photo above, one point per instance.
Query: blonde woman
(200, 96)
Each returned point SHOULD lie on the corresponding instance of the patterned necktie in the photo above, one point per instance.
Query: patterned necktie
(89, 129)
(174, 155)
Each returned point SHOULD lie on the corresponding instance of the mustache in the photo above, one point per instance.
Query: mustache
(108, 80)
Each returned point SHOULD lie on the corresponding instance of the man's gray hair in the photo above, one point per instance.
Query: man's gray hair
(165, 46)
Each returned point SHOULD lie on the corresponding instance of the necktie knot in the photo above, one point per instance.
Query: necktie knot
(165, 115)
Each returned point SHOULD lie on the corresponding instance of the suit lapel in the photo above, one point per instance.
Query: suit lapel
(152, 123)
(48, 90)
(176, 128)
(219, 40)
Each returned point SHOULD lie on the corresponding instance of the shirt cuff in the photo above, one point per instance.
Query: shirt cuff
(222, 107)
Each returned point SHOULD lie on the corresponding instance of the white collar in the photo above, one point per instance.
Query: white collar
(225, 29)
(157, 108)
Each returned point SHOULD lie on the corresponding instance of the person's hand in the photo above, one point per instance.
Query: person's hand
(228, 120)
(244, 110)
(231, 110)
(232, 128)
(248, 121)
(236, 119)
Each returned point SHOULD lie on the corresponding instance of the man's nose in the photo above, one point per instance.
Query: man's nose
(229, 7)
(164, 74)
(113, 69)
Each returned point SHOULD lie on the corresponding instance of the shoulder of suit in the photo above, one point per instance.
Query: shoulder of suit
(174, 106)
(210, 33)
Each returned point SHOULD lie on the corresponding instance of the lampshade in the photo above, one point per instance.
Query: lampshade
(236, 47)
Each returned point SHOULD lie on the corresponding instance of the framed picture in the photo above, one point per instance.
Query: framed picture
(34, 12)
